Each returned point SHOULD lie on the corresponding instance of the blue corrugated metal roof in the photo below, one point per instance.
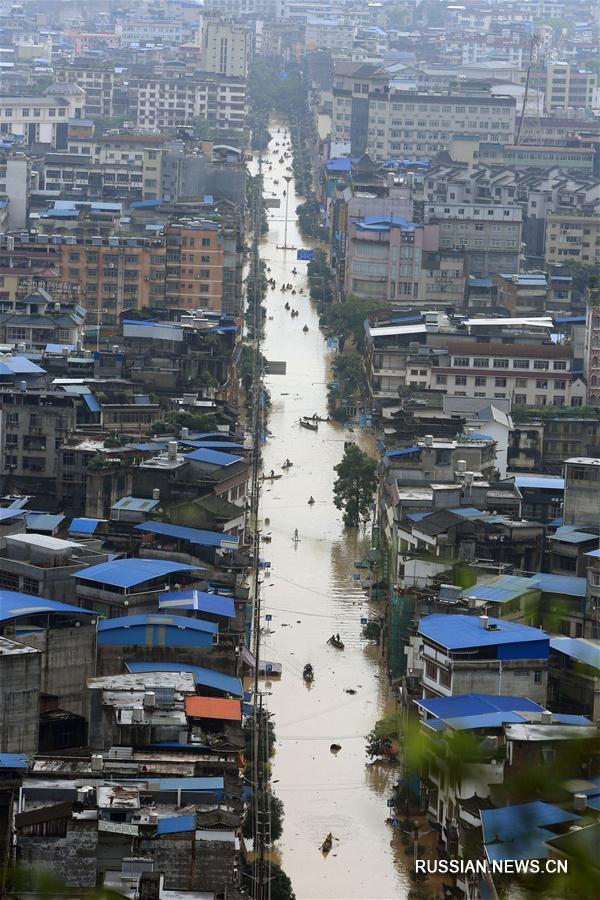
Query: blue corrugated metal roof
(203, 677)
(520, 831)
(502, 589)
(84, 526)
(127, 573)
(485, 720)
(385, 223)
(570, 535)
(391, 454)
(466, 705)
(13, 761)
(213, 457)
(19, 365)
(157, 630)
(461, 631)
(193, 535)
(91, 402)
(594, 553)
(540, 481)
(199, 601)
(176, 824)
(59, 348)
(467, 512)
(342, 164)
(43, 521)
(14, 605)
(561, 584)
(10, 513)
(581, 650)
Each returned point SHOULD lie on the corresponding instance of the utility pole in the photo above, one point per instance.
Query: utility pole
(257, 422)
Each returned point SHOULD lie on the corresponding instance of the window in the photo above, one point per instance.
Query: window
(9, 580)
(559, 365)
(541, 384)
(537, 676)
(521, 364)
(460, 379)
(441, 379)
(31, 586)
(541, 364)
(500, 382)
(462, 361)
(521, 399)
(206, 242)
(445, 678)
(480, 382)
(501, 364)
(481, 362)
(430, 669)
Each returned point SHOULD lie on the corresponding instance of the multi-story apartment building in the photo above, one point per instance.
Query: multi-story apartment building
(384, 257)
(582, 491)
(488, 235)
(443, 279)
(592, 352)
(529, 374)
(368, 116)
(175, 100)
(573, 237)
(538, 155)
(134, 29)
(225, 48)
(568, 87)
(42, 118)
(104, 95)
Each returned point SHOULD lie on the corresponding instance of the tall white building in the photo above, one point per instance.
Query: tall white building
(225, 47)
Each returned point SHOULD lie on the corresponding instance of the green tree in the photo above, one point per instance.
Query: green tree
(349, 372)
(355, 485)
(320, 280)
(276, 817)
(280, 885)
(347, 319)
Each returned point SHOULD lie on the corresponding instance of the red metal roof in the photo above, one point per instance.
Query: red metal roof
(213, 708)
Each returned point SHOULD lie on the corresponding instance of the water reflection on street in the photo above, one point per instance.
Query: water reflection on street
(310, 594)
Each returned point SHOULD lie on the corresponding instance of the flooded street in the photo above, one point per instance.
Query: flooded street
(310, 594)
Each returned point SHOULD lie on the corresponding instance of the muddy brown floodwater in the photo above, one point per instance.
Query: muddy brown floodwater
(310, 594)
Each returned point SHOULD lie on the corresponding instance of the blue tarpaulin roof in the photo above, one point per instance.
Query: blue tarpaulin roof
(43, 521)
(203, 677)
(199, 601)
(502, 589)
(139, 504)
(198, 783)
(579, 649)
(13, 605)
(175, 824)
(10, 513)
(215, 445)
(461, 631)
(193, 535)
(84, 526)
(342, 164)
(212, 457)
(520, 831)
(126, 573)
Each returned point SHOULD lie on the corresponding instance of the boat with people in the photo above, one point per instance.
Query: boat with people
(305, 329)
(306, 423)
(308, 673)
(335, 641)
(271, 476)
(287, 464)
(316, 418)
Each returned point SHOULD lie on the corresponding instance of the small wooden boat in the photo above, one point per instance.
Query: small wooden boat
(327, 844)
(312, 426)
(311, 501)
(308, 673)
(316, 418)
(305, 329)
(335, 641)
(287, 306)
(287, 464)
(270, 477)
